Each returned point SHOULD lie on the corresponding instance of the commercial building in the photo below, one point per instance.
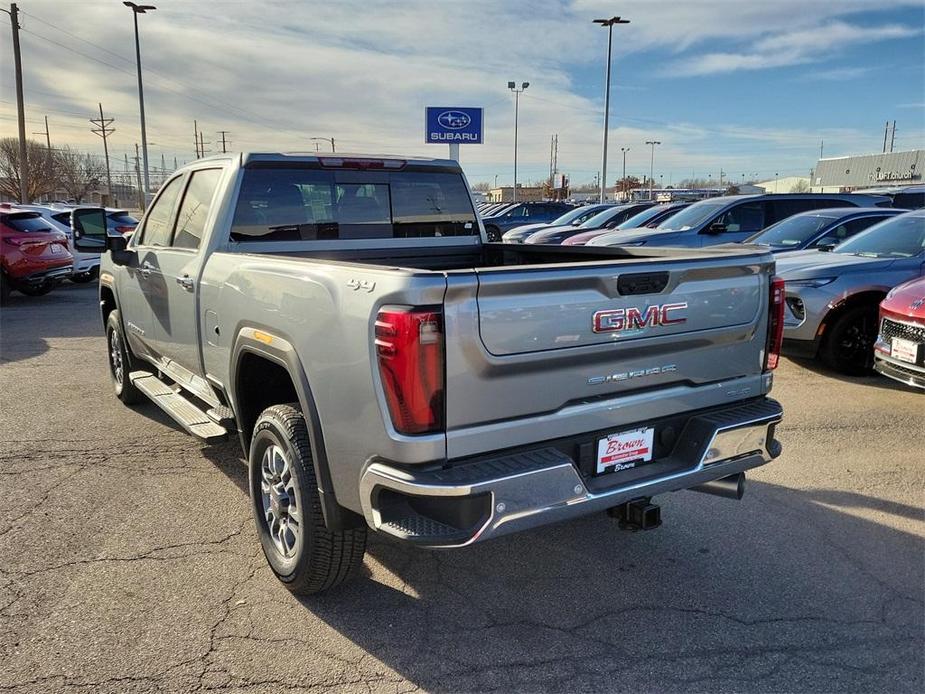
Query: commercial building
(890, 169)
(524, 194)
(786, 184)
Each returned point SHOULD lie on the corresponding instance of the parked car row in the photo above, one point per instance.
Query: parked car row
(37, 249)
(838, 254)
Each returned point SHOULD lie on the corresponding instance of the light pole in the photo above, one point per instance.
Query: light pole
(137, 10)
(20, 107)
(652, 163)
(624, 150)
(325, 139)
(517, 92)
(609, 24)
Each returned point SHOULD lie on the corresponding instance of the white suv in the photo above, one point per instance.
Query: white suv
(86, 265)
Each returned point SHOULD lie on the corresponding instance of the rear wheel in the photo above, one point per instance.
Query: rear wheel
(120, 364)
(493, 233)
(849, 344)
(303, 553)
(36, 289)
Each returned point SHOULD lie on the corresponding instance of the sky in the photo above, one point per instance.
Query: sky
(744, 86)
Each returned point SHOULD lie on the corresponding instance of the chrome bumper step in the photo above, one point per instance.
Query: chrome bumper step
(531, 488)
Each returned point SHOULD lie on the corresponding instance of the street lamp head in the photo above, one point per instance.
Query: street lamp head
(511, 85)
(140, 9)
(611, 21)
(524, 85)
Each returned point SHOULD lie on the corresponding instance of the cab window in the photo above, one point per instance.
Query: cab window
(747, 217)
(194, 210)
(157, 228)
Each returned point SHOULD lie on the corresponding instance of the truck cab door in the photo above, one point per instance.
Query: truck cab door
(179, 263)
(142, 295)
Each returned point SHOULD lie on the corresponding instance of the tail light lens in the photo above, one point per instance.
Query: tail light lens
(775, 324)
(409, 349)
(122, 229)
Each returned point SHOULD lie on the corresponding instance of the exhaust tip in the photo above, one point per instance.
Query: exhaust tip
(731, 487)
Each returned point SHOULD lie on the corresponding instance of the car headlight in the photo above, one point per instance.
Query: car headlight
(814, 283)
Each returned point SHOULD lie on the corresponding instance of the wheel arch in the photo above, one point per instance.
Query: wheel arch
(265, 371)
(838, 308)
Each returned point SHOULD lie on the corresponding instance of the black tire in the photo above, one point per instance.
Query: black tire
(310, 558)
(85, 277)
(36, 289)
(115, 344)
(493, 234)
(848, 346)
(4, 288)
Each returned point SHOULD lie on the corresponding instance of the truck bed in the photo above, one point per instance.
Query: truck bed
(497, 255)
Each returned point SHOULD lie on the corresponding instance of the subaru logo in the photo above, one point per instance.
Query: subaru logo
(454, 120)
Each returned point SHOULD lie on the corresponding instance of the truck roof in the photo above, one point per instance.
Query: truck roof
(249, 157)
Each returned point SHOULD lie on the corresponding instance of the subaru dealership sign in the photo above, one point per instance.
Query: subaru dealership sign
(453, 125)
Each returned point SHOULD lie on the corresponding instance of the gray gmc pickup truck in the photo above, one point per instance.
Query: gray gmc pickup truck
(386, 368)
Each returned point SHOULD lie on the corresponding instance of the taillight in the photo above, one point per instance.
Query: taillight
(125, 229)
(409, 348)
(13, 241)
(775, 324)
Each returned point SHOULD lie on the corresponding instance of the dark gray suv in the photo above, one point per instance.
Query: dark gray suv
(734, 218)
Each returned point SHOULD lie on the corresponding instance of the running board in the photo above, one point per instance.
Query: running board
(181, 410)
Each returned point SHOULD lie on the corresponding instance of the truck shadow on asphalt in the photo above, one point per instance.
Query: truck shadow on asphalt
(27, 322)
(782, 585)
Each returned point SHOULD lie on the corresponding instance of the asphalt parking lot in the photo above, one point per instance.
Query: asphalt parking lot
(128, 560)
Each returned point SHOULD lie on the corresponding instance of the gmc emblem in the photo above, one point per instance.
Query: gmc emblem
(620, 319)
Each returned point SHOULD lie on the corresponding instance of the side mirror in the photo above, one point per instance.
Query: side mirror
(88, 225)
(716, 228)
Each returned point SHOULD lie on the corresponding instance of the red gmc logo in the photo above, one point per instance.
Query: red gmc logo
(620, 319)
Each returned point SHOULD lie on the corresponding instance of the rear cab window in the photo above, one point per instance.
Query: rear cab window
(310, 203)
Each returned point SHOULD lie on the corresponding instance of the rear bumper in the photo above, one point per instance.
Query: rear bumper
(488, 497)
(36, 278)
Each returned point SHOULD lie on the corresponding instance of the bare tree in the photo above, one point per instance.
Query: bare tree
(624, 185)
(800, 187)
(78, 173)
(482, 186)
(42, 168)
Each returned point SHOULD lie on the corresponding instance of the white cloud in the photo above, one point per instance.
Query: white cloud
(276, 74)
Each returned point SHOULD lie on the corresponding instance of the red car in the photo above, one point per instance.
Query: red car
(33, 256)
(899, 352)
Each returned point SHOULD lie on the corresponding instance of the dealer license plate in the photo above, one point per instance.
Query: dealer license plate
(624, 450)
(905, 350)
(55, 249)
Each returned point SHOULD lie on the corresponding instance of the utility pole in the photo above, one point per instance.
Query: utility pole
(609, 24)
(20, 107)
(517, 92)
(202, 145)
(196, 138)
(103, 130)
(174, 163)
(892, 135)
(886, 130)
(624, 150)
(46, 134)
(141, 192)
(224, 143)
(652, 143)
(821, 147)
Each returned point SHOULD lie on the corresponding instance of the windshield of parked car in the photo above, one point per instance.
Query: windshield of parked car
(309, 204)
(793, 231)
(601, 218)
(575, 216)
(27, 221)
(642, 218)
(897, 237)
(693, 216)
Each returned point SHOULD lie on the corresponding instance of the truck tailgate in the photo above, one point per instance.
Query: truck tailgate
(641, 338)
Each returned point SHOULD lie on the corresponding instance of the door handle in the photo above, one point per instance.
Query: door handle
(186, 282)
(145, 269)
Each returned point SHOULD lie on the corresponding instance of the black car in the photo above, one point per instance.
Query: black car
(608, 219)
(522, 213)
(820, 228)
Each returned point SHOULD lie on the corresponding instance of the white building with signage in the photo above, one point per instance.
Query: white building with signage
(890, 169)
